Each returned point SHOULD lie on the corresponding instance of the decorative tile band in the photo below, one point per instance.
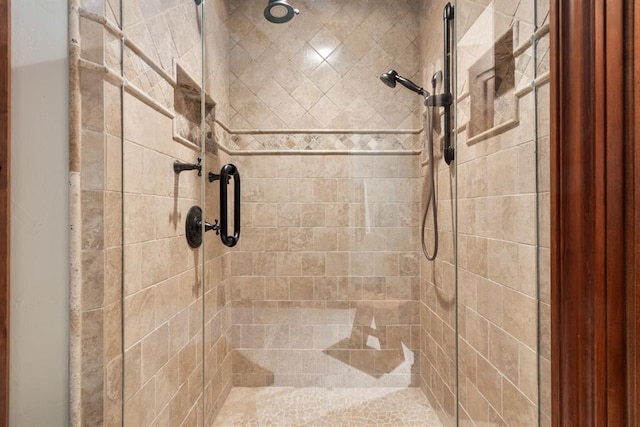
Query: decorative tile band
(305, 142)
(317, 143)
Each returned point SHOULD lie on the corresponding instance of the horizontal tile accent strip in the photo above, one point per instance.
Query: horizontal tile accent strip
(540, 33)
(116, 31)
(319, 152)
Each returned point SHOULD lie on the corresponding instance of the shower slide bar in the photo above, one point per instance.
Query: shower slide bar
(448, 59)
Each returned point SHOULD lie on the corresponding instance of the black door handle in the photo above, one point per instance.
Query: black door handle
(227, 172)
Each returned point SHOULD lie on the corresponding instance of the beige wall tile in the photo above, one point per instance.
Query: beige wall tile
(113, 275)
(468, 290)
(277, 288)
(313, 215)
(92, 219)
(518, 410)
(301, 288)
(132, 371)
(93, 160)
(92, 88)
(139, 313)
(386, 264)
(167, 385)
(93, 270)
(325, 239)
(112, 332)
(503, 262)
(503, 353)
(154, 265)
(490, 301)
(265, 264)
(155, 352)
(519, 314)
(177, 325)
(477, 332)
(518, 218)
(399, 288)
(301, 239)
(325, 288)
(140, 408)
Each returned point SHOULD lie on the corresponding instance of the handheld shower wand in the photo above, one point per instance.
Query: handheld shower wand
(391, 77)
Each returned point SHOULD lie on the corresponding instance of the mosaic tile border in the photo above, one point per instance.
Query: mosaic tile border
(311, 142)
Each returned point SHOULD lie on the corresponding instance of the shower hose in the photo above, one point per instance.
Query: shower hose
(431, 196)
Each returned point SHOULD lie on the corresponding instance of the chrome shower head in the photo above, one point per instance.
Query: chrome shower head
(279, 11)
(391, 77)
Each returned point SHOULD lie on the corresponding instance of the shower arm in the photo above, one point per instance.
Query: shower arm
(411, 86)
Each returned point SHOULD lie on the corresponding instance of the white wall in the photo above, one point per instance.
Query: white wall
(39, 214)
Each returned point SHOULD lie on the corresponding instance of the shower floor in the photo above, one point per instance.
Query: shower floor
(288, 406)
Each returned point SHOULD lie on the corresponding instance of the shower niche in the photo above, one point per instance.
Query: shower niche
(494, 70)
(189, 120)
(491, 86)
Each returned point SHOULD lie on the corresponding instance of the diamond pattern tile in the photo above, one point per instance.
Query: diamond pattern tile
(326, 61)
(298, 141)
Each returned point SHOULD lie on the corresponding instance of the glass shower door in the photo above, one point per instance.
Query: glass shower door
(318, 305)
(163, 275)
(501, 210)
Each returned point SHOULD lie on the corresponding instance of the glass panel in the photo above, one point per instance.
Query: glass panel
(327, 289)
(163, 275)
(543, 214)
(321, 294)
(497, 207)
(438, 282)
(98, 389)
(217, 380)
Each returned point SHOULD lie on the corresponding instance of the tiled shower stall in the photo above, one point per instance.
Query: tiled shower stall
(328, 287)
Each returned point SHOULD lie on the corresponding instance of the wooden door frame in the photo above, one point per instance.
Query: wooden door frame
(633, 217)
(632, 213)
(594, 207)
(593, 212)
(5, 231)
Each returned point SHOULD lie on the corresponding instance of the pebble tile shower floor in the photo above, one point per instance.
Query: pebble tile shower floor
(288, 406)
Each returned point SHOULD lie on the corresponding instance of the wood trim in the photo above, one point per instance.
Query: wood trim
(5, 76)
(633, 214)
(613, 68)
(588, 107)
